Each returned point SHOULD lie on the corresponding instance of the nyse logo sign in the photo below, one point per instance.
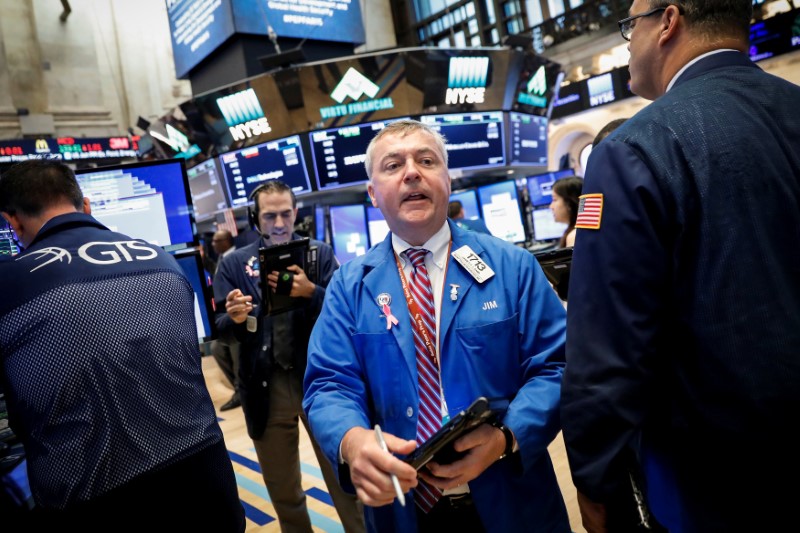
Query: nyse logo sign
(536, 90)
(355, 85)
(466, 80)
(243, 114)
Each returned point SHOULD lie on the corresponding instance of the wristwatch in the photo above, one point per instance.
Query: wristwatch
(509, 437)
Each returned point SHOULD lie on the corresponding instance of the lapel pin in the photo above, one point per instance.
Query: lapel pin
(384, 299)
(454, 291)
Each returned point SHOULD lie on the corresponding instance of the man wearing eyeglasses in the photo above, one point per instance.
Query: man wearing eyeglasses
(684, 317)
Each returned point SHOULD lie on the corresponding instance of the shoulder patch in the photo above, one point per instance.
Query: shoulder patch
(590, 211)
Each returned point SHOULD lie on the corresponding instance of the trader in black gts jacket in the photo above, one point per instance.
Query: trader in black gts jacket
(100, 366)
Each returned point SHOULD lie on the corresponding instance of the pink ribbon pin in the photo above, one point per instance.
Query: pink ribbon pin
(390, 318)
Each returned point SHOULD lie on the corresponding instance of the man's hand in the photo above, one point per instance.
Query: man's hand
(484, 445)
(593, 515)
(370, 466)
(301, 285)
(238, 306)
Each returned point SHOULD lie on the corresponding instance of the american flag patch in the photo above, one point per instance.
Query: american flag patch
(590, 211)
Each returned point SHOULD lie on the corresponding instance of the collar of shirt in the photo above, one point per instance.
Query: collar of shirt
(693, 61)
(437, 245)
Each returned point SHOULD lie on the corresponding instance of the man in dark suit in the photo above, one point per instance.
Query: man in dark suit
(272, 358)
(684, 314)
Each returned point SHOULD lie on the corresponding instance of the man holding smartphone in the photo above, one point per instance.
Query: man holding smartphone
(412, 333)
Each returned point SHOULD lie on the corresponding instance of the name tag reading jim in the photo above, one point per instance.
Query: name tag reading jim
(473, 264)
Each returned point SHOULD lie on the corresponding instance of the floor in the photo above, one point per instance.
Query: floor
(259, 511)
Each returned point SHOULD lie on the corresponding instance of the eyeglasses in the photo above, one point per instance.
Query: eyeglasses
(626, 26)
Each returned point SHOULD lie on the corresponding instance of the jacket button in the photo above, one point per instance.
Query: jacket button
(409, 412)
(263, 383)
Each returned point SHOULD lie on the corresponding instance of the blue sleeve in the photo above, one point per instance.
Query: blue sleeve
(616, 300)
(335, 390)
(533, 414)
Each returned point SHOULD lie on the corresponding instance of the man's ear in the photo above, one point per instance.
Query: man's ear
(371, 193)
(87, 206)
(13, 221)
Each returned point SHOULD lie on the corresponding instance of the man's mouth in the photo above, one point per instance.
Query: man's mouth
(414, 197)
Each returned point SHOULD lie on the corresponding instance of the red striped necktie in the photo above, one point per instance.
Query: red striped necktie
(430, 402)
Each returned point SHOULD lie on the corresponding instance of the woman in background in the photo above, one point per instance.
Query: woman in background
(566, 193)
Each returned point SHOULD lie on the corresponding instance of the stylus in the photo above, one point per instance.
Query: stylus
(396, 482)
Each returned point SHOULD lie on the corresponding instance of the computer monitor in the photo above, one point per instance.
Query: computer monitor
(319, 223)
(527, 139)
(469, 201)
(247, 168)
(545, 228)
(208, 192)
(540, 187)
(348, 231)
(8, 241)
(148, 200)
(376, 225)
(474, 140)
(339, 153)
(192, 265)
(501, 211)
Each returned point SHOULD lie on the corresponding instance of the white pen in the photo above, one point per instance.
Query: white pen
(396, 482)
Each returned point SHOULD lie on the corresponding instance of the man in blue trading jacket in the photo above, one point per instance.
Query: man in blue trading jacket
(684, 313)
(273, 358)
(499, 334)
(101, 371)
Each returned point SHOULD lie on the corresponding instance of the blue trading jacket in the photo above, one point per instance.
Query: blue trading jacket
(503, 339)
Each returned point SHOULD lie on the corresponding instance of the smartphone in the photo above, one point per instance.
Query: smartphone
(440, 446)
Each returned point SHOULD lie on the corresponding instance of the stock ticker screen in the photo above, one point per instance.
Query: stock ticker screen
(249, 167)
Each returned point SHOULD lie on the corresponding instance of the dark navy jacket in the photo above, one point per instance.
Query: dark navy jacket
(684, 306)
(100, 360)
(240, 270)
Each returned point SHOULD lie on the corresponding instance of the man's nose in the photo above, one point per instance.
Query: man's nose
(410, 172)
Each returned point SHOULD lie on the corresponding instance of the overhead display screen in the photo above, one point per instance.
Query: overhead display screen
(208, 192)
(775, 36)
(197, 28)
(246, 169)
(474, 140)
(528, 135)
(303, 19)
(339, 154)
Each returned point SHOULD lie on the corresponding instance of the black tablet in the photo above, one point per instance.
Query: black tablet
(440, 446)
(276, 259)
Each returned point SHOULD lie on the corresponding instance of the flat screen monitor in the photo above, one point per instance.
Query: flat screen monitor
(501, 212)
(540, 187)
(339, 154)
(469, 201)
(528, 139)
(474, 140)
(545, 228)
(148, 201)
(246, 169)
(8, 241)
(192, 265)
(208, 192)
(376, 225)
(348, 231)
(319, 223)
